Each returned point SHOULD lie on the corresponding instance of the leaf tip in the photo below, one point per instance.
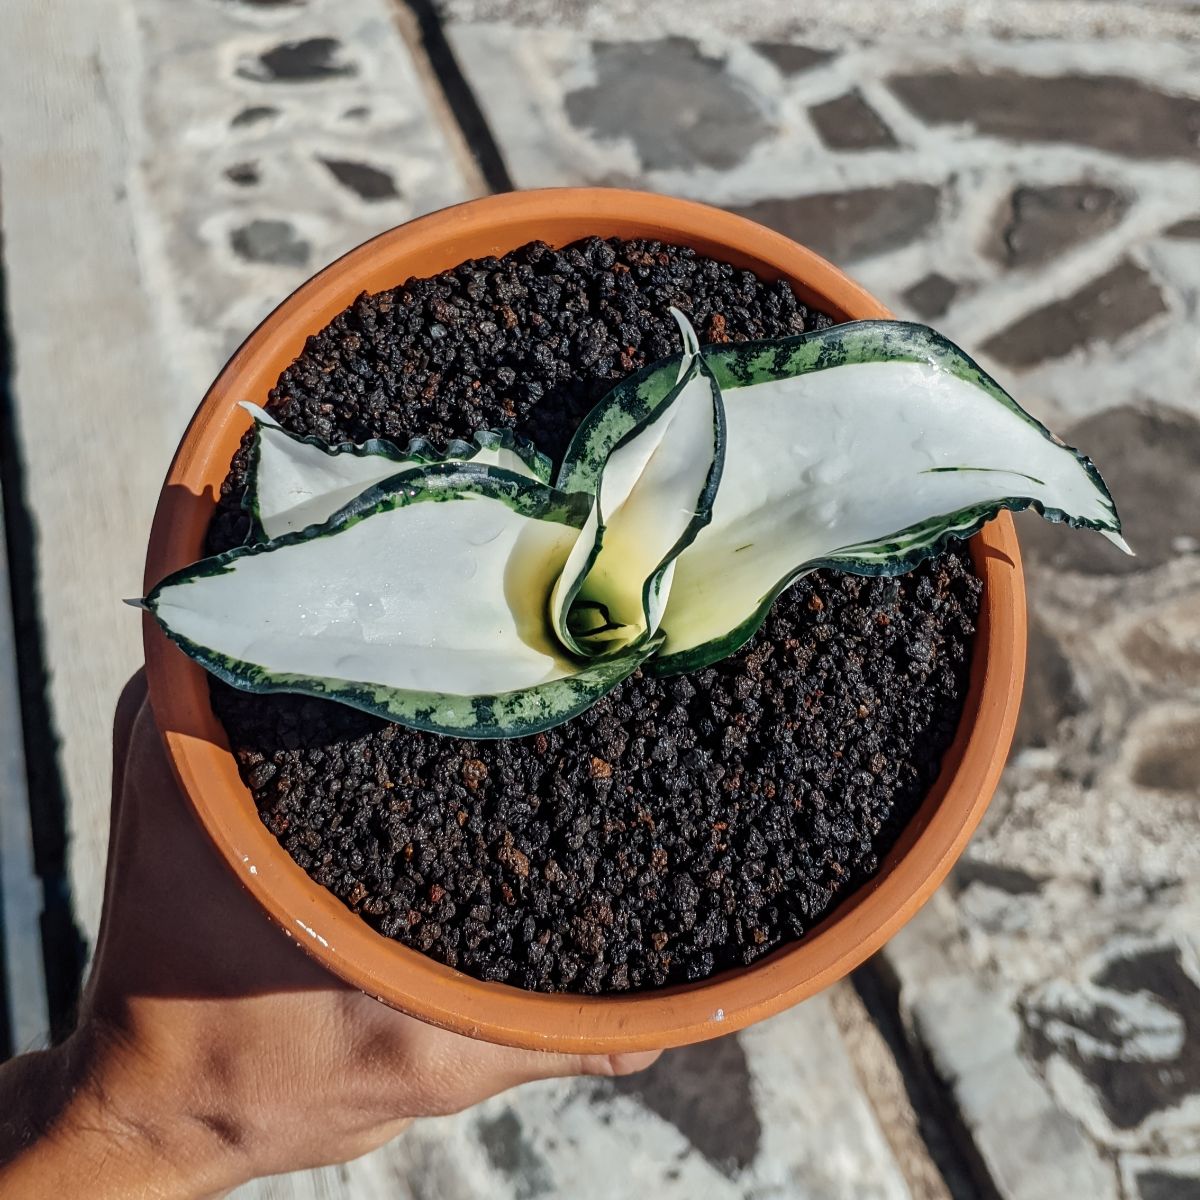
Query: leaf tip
(258, 414)
(1120, 543)
(687, 334)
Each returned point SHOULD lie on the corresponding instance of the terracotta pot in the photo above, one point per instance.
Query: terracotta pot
(404, 978)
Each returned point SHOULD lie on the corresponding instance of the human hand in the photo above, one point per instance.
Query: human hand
(210, 1048)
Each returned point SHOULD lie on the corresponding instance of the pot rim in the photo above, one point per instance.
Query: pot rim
(407, 979)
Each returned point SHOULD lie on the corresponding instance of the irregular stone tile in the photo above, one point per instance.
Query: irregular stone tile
(704, 1091)
(1135, 1040)
(931, 295)
(678, 106)
(1051, 693)
(1171, 1174)
(253, 115)
(1031, 1149)
(1036, 223)
(1103, 310)
(511, 1153)
(1136, 450)
(201, 117)
(270, 241)
(792, 60)
(1166, 650)
(1184, 230)
(1010, 880)
(850, 123)
(845, 226)
(1167, 1185)
(930, 1167)
(244, 174)
(1107, 112)
(365, 181)
(305, 61)
(1171, 762)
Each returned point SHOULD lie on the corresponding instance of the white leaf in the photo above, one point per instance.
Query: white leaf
(296, 481)
(867, 460)
(423, 601)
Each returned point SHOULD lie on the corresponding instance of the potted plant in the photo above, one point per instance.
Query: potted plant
(468, 587)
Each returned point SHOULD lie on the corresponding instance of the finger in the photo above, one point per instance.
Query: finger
(449, 1072)
(487, 1072)
(486, 1062)
(619, 1064)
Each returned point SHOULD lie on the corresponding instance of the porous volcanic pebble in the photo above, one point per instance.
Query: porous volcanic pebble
(679, 826)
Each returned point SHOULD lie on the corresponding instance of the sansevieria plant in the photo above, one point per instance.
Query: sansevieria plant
(464, 593)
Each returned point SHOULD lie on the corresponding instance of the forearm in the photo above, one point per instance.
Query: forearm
(64, 1125)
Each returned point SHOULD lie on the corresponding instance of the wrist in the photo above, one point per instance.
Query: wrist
(95, 1108)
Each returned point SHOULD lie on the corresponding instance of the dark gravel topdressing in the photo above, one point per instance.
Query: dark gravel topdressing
(681, 825)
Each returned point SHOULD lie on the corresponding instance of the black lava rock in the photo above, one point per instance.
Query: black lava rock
(679, 826)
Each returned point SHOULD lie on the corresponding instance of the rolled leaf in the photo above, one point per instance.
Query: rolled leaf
(655, 493)
(423, 601)
(627, 405)
(864, 447)
(299, 481)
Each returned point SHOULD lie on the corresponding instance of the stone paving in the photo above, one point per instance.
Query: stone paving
(1038, 202)
(1025, 176)
(306, 130)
